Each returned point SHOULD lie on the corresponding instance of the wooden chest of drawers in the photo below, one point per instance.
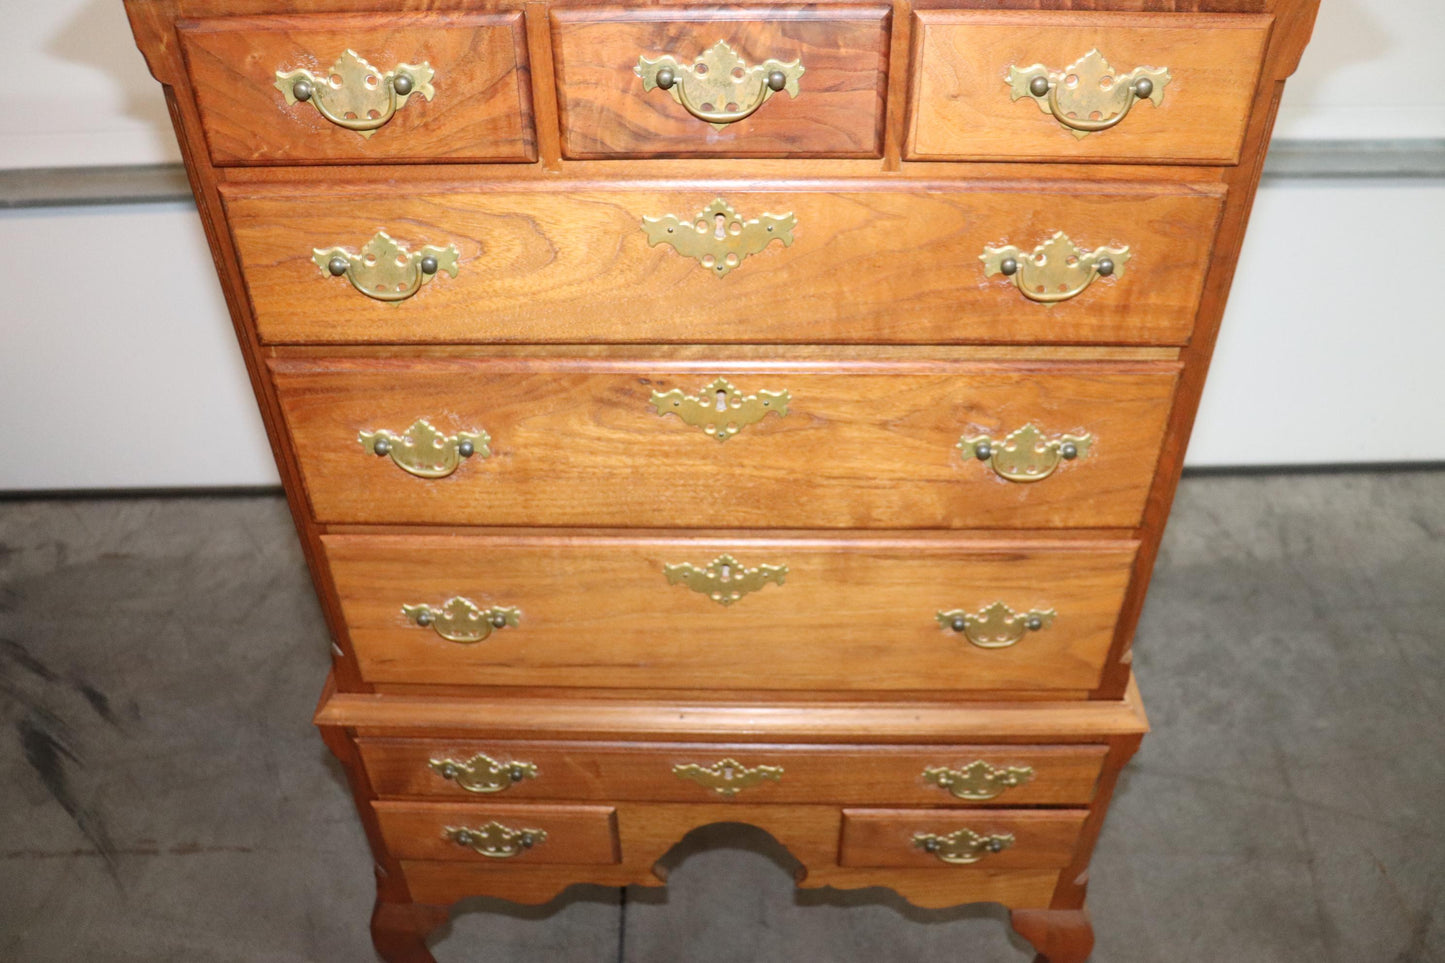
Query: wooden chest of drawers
(702, 412)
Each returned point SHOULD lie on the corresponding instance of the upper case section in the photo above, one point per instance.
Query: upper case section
(834, 59)
(1203, 70)
(479, 108)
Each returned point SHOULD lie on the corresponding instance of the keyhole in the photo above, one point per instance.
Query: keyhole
(727, 773)
(720, 231)
(722, 400)
(726, 573)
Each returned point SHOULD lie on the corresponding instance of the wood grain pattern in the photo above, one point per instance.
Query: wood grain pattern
(838, 112)
(1043, 839)
(576, 835)
(599, 613)
(862, 446)
(961, 107)
(818, 774)
(810, 834)
(533, 262)
(836, 721)
(481, 111)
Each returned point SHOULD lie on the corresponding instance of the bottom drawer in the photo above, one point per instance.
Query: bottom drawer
(944, 839)
(574, 835)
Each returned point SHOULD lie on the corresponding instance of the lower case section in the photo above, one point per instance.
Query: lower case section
(547, 794)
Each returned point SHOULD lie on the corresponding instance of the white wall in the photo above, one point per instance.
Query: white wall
(1330, 351)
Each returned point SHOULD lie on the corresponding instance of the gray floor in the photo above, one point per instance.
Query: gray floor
(165, 798)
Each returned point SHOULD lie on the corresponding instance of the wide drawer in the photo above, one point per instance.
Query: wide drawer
(832, 62)
(635, 611)
(585, 263)
(972, 97)
(702, 772)
(981, 839)
(593, 442)
(465, 94)
(498, 833)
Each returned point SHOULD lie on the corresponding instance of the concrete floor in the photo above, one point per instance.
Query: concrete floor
(164, 797)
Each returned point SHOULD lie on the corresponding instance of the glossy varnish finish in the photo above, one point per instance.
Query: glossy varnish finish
(532, 263)
(600, 613)
(1061, 775)
(863, 446)
(962, 109)
(883, 263)
(482, 109)
(838, 112)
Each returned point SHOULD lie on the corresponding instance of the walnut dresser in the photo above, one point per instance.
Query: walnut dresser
(698, 412)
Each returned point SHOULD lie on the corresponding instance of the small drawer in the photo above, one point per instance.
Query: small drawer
(636, 443)
(983, 839)
(463, 93)
(919, 267)
(499, 834)
(1066, 86)
(701, 772)
(784, 80)
(753, 613)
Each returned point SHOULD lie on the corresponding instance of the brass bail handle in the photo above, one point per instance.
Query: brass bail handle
(717, 80)
(353, 94)
(385, 269)
(1057, 270)
(1088, 96)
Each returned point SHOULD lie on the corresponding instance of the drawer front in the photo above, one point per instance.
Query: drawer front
(978, 839)
(790, 614)
(476, 106)
(833, 61)
(634, 443)
(916, 264)
(971, 96)
(905, 775)
(499, 834)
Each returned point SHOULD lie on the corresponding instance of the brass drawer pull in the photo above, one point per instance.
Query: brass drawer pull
(385, 270)
(462, 620)
(425, 452)
(996, 627)
(962, 847)
(724, 580)
(727, 776)
(720, 409)
(719, 87)
(482, 773)
(355, 95)
(1056, 270)
(978, 780)
(1025, 455)
(494, 839)
(1088, 95)
(717, 236)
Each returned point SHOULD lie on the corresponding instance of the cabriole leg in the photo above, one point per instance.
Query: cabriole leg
(1059, 936)
(399, 930)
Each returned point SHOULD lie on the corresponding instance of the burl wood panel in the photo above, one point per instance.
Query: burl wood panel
(574, 265)
(961, 106)
(576, 835)
(838, 111)
(884, 837)
(811, 774)
(481, 111)
(863, 445)
(599, 612)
